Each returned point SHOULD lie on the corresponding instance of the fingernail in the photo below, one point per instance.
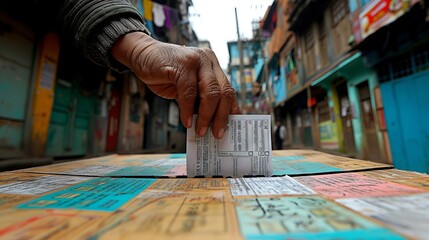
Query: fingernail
(202, 131)
(189, 123)
(220, 133)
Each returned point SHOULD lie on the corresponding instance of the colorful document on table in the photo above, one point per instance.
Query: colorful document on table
(244, 150)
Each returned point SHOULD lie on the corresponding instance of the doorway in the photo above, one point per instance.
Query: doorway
(371, 146)
(346, 118)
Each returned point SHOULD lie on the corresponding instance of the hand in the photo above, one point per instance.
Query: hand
(186, 74)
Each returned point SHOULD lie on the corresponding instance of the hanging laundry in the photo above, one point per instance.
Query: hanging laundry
(149, 26)
(158, 15)
(167, 12)
(147, 8)
(140, 6)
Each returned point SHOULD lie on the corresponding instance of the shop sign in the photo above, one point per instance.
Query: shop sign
(379, 13)
(328, 135)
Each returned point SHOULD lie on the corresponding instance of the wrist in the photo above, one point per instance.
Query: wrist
(129, 46)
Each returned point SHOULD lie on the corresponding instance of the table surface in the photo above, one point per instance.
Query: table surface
(311, 195)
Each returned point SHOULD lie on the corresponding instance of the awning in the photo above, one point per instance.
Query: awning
(335, 69)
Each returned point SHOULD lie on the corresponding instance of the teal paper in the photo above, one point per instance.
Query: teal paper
(100, 194)
(289, 158)
(178, 155)
(140, 171)
(304, 217)
(373, 234)
(296, 168)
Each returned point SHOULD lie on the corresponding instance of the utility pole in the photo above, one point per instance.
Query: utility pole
(241, 69)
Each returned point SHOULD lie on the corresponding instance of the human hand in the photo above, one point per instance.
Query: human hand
(186, 74)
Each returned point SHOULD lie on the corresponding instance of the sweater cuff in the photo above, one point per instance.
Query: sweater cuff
(102, 41)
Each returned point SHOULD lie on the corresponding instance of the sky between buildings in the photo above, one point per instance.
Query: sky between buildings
(214, 20)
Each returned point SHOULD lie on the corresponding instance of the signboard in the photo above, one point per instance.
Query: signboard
(328, 135)
(379, 13)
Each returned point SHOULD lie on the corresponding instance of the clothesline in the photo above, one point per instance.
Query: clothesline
(161, 15)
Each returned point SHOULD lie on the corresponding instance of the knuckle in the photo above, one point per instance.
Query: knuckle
(195, 56)
(201, 52)
(208, 51)
(213, 90)
(228, 93)
(189, 93)
(205, 50)
(215, 95)
(206, 55)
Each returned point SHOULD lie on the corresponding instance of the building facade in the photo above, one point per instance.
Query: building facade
(251, 67)
(347, 67)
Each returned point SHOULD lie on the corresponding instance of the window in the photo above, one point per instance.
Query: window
(323, 42)
(404, 65)
(324, 112)
(421, 60)
(321, 27)
(309, 39)
(339, 11)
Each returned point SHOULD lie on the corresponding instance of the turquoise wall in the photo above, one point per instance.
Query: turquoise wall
(407, 120)
(281, 87)
(357, 74)
(233, 50)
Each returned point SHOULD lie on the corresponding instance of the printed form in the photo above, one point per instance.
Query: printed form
(244, 150)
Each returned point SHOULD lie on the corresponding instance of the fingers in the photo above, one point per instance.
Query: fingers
(216, 97)
(221, 117)
(235, 108)
(186, 95)
(209, 94)
(224, 107)
(227, 100)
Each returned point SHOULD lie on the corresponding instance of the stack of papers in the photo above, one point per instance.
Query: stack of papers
(244, 150)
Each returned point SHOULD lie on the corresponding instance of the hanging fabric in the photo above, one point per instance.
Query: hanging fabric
(149, 25)
(158, 15)
(140, 6)
(147, 8)
(167, 12)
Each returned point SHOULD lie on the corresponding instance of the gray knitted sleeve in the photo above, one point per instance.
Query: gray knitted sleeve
(93, 26)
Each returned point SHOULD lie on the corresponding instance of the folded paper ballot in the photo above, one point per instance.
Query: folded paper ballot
(244, 150)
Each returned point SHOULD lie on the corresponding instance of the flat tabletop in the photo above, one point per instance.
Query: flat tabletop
(311, 195)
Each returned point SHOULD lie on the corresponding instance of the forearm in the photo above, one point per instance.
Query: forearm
(94, 26)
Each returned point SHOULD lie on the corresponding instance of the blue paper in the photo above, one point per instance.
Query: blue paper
(178, 155)
(289, 158)
(372, 234)
(100, 194)
(149, 171)
(304, 217)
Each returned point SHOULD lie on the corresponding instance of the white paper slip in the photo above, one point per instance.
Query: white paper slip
(408, 214)
(244, 150)
(41, 185)
(267, 186)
